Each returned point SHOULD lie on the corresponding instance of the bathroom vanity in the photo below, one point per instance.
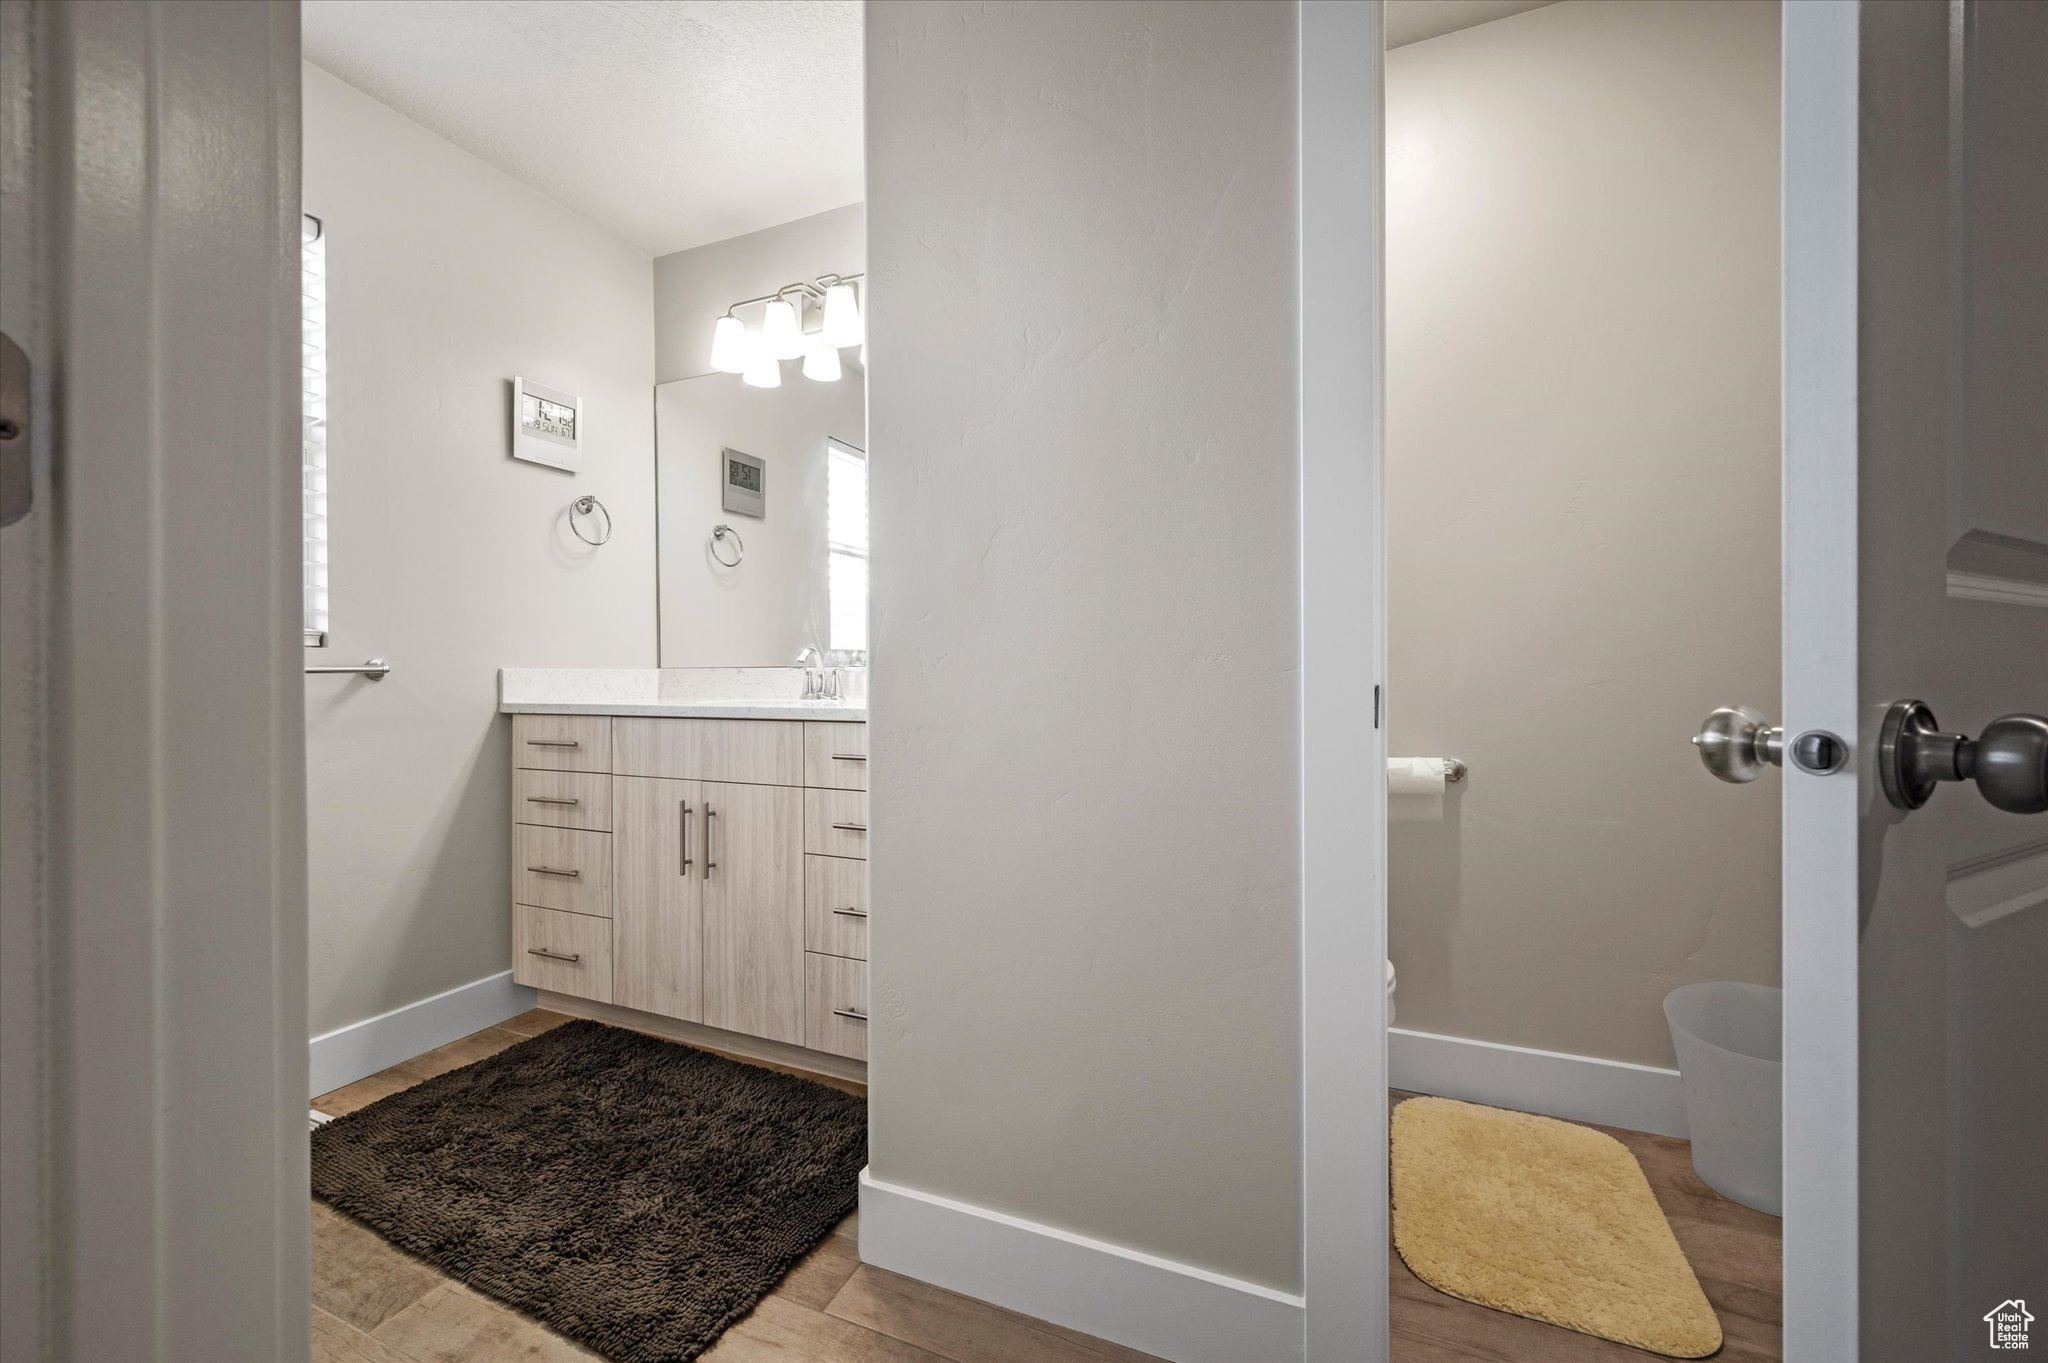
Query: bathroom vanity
(701, 862)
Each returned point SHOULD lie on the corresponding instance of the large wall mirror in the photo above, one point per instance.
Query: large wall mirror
(764, 587)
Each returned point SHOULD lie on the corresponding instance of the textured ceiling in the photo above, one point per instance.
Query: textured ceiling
(671, 122)
(1410, 21)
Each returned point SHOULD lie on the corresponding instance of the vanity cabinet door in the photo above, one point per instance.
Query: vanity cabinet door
(753, 889)
(658, 896)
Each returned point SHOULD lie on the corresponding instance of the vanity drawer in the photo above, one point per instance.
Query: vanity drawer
(760, 752)
(570, 953)
(836, 906)
(562, 742)
(836, 1005)
(836, 755)
(562, 799)
(562, 868)
(836, 823)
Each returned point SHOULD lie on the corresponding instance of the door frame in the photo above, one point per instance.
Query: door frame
(156, 1146)
(1343, 684)
(1819, 920)
(1343, 652)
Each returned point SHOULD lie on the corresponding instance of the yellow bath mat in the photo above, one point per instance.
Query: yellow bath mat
(1543, 1219)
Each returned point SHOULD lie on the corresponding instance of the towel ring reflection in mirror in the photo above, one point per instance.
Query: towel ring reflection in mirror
(723, 532)
(584, 506)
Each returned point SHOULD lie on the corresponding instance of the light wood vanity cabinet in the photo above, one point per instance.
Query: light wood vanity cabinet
(658, 896)
(562, 742)
(692, 865)
(569, 953)
(836, 756)
(754, 910)
(563, 799)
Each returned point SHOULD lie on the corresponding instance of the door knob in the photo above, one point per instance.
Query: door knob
(2009, 761)
(1736, 742)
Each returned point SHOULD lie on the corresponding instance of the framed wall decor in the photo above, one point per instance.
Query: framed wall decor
(547, 425)
(745, 480)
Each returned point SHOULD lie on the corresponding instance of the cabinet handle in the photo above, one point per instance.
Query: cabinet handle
(852, 827)
(685, 871)
(552, 800)
(551, 871)
(552, 743)
(570, 956)
(709, 864)
(852, 913)
(850, 1013)
(849, 757)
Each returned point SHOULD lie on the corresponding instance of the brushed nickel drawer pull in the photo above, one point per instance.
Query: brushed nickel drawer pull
(850, 1013)
(709, 864)
(552, 743)
(553, 800)
(852, 913)
(849, 757)
(571, 956)
(552, 871)
(852, 827)
(685, 870)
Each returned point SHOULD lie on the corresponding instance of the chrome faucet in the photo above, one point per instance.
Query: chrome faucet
(809, 654)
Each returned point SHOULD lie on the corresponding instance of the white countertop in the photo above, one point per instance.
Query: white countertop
(688, 692)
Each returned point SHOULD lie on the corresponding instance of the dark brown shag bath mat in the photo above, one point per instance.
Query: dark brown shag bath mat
(636, 1195)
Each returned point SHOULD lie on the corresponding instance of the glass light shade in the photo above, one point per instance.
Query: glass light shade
(842, 317)
(821, 361)
(763, 370)
(780, 334)
(729, 345)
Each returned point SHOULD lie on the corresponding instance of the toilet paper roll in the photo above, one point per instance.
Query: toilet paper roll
(1415, 776)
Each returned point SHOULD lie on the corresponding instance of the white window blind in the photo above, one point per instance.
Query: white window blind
(846, 544)
(313, 416)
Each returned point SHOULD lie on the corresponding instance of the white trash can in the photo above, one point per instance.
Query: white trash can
(1731, 1067)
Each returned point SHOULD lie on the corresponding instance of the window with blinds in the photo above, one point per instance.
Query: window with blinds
(846, 544)
(313, 417)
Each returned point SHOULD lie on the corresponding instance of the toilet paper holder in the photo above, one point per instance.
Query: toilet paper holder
(1454, 770)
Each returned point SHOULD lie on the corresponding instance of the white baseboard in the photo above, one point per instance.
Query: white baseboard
(1146, 1303)
(1579, 1088)
(348, 1053)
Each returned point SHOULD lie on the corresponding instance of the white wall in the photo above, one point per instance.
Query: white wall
(693, 288)
(1082, 413)
(445, 279)
(1582, 484)
(775, 602)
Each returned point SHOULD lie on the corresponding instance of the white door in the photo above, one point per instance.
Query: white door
(1916, 568)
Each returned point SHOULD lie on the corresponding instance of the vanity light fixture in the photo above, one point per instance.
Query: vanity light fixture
(729, 345)
(763, 369)
(830, 301)
(842, 325)
(781, 336)
(821, 360)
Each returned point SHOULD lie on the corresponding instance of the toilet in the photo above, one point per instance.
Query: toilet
(1390, 993)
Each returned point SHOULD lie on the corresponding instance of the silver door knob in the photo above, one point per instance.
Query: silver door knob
(2008, 761)
(1736, 743)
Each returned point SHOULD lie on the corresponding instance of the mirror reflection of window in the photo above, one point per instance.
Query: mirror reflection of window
(846, 543)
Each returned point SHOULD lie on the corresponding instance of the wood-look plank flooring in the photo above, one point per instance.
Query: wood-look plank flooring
(1734, 1252)
(373, 1303)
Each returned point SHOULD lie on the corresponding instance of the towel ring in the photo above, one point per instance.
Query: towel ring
(719, 532)
(584, 506)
